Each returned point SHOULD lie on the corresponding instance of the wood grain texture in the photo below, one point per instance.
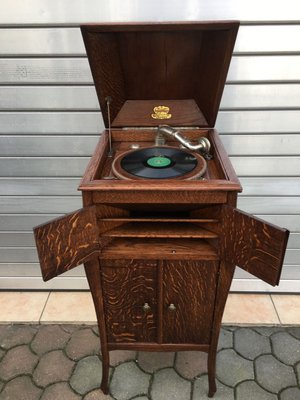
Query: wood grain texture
(104, 58)
(138, 113)
(92, 270)
(226, 272)
(62, 204)
(191, 287)
(216, 52)
(160, 299)
(222, 158)
(61, 186)
(176, 61)
(121, 136)
(155, 219)
(99, 177)
(127, 288)
(163, 230)
(66, 242)
(32, 269)
(253, 244)
(173, 249)
(97, 160)
(115, 194)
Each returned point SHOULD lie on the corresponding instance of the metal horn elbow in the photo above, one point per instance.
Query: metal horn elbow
(202, 146)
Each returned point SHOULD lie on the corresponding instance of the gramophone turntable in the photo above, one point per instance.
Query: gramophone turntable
(163, 162)
(159, 233)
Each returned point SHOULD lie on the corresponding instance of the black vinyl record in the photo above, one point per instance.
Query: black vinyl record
(159, 163)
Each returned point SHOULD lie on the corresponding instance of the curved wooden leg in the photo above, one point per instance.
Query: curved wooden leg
(211, 368)
(92, 270)
(225, 278)
(105, 371)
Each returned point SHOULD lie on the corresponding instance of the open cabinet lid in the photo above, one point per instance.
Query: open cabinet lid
(181, 67)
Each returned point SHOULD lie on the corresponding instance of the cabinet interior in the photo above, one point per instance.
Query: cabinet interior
(125, 138)
(161, 234)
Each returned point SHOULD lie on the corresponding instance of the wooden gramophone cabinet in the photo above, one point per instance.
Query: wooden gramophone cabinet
(160, 254)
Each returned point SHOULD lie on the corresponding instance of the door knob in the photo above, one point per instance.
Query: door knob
(172, 307)
(146, 307)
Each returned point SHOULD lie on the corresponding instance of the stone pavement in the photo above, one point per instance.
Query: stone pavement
(54, 362)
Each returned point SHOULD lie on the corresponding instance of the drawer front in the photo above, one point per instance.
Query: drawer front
(189, 295)
(130, 301)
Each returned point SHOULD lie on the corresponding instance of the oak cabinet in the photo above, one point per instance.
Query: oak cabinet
(135, 300)
(161, 285)
(130, 300)
(191, 287)
(160, 254)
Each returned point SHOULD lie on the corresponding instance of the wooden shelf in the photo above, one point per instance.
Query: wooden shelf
(159, 230)
(148, 248)
(153, 219)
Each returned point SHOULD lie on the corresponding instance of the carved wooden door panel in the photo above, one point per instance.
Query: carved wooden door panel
(189, 290)
(253, 244)
(66, 242)
(130, 300)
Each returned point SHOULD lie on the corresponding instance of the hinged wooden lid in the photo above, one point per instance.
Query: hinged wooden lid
(160, 73)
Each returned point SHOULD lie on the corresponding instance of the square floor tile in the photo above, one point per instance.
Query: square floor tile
(288, 308)
(22, 306)
(69, 307)
(249, 309)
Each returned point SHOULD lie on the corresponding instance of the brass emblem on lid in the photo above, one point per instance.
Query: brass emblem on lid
(161, 112)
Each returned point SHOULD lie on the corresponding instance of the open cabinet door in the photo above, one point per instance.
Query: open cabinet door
(66, 242)
(253, 244)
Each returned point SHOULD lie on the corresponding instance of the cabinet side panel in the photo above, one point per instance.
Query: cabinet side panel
(126, 290)
(191, 288)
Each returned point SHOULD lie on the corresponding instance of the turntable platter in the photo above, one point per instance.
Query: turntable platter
(162, 162)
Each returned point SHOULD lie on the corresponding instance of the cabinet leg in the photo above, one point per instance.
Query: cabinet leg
(224, 282)
(92, 269)
(211, 368)
(105, 372)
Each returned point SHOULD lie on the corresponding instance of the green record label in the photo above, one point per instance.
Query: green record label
(158, 161)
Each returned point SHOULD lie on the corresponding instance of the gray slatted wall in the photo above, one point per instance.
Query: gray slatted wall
(50, 119)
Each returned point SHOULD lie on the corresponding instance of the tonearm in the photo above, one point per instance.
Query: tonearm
(203, 145)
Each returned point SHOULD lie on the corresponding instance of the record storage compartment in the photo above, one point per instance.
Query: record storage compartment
(166, 299)
(160, 278)
(153, 299)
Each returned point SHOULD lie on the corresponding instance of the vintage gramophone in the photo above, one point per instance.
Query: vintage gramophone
(159, 234)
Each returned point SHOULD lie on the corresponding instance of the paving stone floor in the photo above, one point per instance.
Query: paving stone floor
(61, 362)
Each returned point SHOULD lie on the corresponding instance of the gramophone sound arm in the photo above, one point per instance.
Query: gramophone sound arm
(203, 145)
